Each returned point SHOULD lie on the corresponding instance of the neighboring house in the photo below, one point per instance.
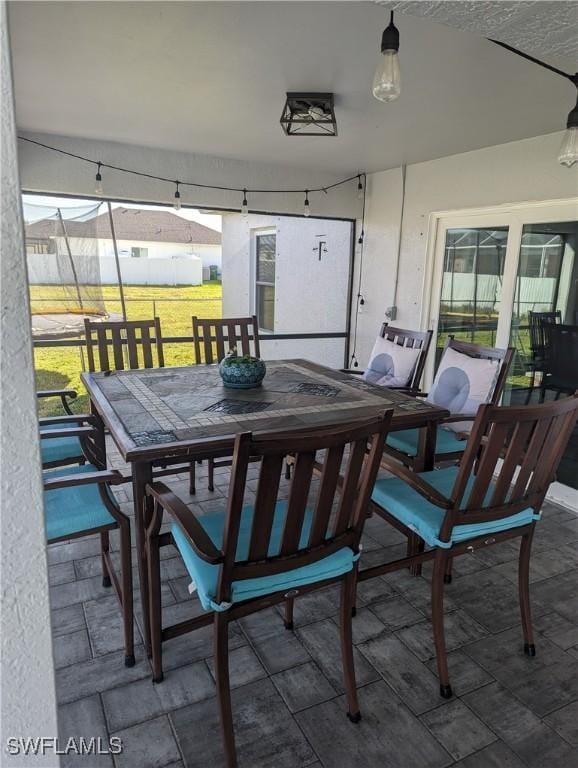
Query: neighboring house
(146, 239)
(293, 273)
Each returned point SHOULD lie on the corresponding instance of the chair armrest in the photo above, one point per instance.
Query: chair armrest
(417, 483)
(71, 393)
(50, 434)
(81, 418)
(108, 476)
(185, 518)
(354, 371)
(413, 391)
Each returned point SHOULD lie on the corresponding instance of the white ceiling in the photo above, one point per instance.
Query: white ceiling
(210, 78)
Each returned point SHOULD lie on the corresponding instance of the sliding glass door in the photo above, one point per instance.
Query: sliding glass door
(503, 277)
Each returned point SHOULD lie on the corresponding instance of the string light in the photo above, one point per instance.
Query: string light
(306, 206)
(353, 362)
(98, 181)
(359, 188)
(177, 197)
(244, 205)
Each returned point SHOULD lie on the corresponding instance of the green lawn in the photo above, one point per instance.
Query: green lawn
(61, 366)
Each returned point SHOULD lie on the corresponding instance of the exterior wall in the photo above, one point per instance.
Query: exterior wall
(310, 294)
(28, 698)
(209, 254)
(519, 171)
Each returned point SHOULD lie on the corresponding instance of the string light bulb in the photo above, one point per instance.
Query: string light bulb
(386, 81)
(306, 206)
(98, 181)
(359, 188)
(569, 148)
(177, 203)
(244, 205)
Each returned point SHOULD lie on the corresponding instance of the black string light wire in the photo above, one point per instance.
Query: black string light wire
(143, 174)
(360, 298)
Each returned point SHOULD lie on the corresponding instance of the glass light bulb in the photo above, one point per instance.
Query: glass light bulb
(306, 209)
(569, 147)
(98, 185)
(244, 209)
(386, 81)
(360, 191)
(177, 204)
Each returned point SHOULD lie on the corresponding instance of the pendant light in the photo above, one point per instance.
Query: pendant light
(98, 182)
(386, 81)
(569, 148)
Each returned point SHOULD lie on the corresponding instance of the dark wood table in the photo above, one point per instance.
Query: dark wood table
(166, 416)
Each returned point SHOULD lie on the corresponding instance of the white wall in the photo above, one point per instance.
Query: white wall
(44, 269)
(209, 254)
(28, 697)
(518, 171)
(310, 294)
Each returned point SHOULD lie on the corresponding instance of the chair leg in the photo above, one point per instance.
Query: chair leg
(211, 474)
(155, 610)
(104, 548)
(437, 616)
(127, 594)
(224, 687)
(524, 590)
(448, 571)
(415, 546)
(287, 470)
(192, 479)
(289, 612)
(346, 633)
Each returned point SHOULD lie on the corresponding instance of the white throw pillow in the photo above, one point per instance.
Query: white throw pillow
(391, 365)
(463, 383)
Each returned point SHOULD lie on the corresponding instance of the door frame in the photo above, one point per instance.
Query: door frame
(514, 216)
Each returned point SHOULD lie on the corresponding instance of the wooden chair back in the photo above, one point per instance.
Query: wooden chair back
(537, 322)
(227, 333)
(527, 440)
(413, 340)
(307, 536)
(503, 356)
(114, 346)
(561, 357)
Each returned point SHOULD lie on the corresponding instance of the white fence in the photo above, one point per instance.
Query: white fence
(459, 289)
(48, 269)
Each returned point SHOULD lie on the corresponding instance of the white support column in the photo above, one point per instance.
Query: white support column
(27, 675)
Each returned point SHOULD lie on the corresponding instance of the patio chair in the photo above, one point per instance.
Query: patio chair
(409, 361)
(212, 339)
(537, 325)
(560, 365)
(65, 448)
(248, 558)
(468, 376)
(126, 339)
(78, 502)
(479, 503)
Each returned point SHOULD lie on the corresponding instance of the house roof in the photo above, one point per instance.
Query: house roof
(133, 224)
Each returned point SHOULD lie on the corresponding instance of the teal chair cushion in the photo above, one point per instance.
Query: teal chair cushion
(418, 514)
(71, 510)
(205, 576)
(59, 448)
(407, 441)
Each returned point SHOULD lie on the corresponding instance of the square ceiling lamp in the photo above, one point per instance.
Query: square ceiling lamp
(309, 114)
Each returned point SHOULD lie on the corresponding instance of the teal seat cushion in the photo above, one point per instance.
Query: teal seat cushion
(72, 510)
(59, 448)
(407, 441)
(418, 514)
(205, 576)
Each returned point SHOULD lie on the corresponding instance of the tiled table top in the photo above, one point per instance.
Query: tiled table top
(174, 408)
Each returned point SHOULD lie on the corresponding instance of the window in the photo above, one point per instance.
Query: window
(139, 253)
(40, 245)
(265, 248)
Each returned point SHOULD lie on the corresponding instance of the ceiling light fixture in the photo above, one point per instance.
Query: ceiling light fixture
(568, 154)
(309, 114)
(387, 81)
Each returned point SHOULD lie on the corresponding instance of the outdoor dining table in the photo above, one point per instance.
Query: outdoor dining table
(160, 417)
